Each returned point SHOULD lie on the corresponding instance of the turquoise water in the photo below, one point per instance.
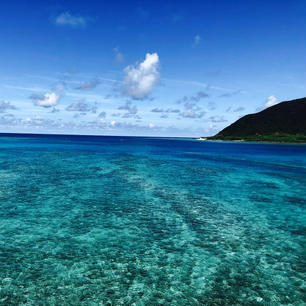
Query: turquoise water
(148, 221)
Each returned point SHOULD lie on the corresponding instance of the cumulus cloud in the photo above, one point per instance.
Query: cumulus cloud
(34, 122)
(217, 119)
(192, 113)
(66, 19)
(6, 105)
(272, 100)
(128, 107)
(195, 98)
(131, 110)
(164, 113)
(108, 96)
(191, 109)
(239, 109)
(162, 110)
(140, 79)
(118, 55)
(88, 85)
(231, 94)
(82, 106)
(102, 115)
(157, 110)
(54, 110)
(78, 115)
(97, 126)
(8, 120)
(131, 126)
(47, 100)
(196, 40)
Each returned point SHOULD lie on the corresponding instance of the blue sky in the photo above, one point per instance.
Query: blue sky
(159, 68)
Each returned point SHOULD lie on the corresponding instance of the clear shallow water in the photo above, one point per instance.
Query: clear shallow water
(144, 221)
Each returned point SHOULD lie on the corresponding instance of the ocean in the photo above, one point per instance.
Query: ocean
(101, 221)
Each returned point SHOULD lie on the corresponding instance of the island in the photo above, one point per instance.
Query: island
(283, 122)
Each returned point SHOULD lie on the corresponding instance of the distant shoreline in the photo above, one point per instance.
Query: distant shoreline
(248, 141)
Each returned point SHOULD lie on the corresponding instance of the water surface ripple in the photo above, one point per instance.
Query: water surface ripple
(148, 221)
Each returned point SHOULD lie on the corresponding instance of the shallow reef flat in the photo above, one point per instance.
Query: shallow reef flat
(141, 221)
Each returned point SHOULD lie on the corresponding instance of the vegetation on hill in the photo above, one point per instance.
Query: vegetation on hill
(283, 122)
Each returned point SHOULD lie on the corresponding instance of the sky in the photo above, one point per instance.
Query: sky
(146, 68)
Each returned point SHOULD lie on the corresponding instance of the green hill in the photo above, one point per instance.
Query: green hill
(283, 122)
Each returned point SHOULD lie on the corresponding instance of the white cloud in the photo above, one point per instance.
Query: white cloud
(192, 113)
(94, 127)
(88, 85)
(67, 19)
(82, 106)
(239, 109)
(196, 98)
(231, 93)
(217, 119)
(191, 109)
(102, 115)
(272, 100)
(49, 99)
(131, 109)
(166, 110)
(46, 100)
(5, 105)
(140, 80)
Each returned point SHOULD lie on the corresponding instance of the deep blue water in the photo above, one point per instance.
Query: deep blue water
(151, 221)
